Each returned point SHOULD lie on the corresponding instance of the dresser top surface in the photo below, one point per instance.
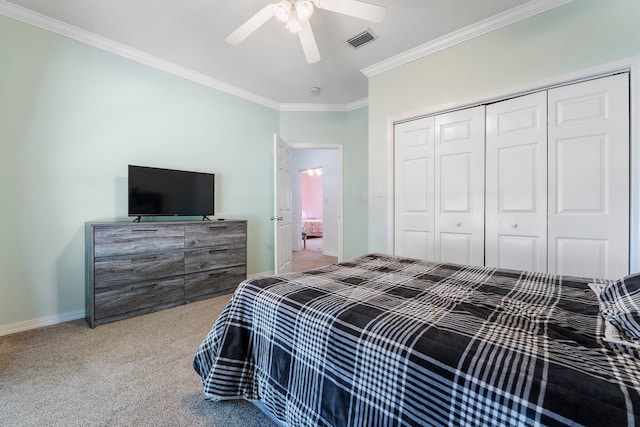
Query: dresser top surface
(163, 223)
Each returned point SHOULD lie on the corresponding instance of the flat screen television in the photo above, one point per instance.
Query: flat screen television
(168, 192)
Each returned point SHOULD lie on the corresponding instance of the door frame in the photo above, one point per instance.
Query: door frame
(630, 65)
(340, 195)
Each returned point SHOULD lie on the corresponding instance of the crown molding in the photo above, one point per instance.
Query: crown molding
(325, 107)
(47, 23)
(495, 22)
(356, 105)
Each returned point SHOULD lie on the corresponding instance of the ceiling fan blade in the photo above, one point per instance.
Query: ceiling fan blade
(308, 42)
(358, 9)
(255, 22)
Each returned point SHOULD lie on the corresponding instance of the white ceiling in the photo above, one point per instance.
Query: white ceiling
(270, 64)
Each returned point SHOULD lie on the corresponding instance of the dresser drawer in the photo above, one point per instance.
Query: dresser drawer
(213, 258)
(137, 238)
(133, 268)
(138, 298)
(214, 234)
(215, 282)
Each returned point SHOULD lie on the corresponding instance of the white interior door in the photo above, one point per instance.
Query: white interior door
(413, 193)
(283, 206)
(589, 178)
(516, 184)
(459, 186)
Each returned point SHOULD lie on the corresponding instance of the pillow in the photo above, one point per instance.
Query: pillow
(611, 334)
(620, 305)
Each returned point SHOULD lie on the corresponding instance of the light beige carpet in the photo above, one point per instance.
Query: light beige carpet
(312, 256)
(132, 372)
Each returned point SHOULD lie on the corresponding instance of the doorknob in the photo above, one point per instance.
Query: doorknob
(277, 218)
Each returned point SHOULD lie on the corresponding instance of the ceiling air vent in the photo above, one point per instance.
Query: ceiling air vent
(362, 39)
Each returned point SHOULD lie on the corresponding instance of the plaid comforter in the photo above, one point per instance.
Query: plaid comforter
(389, 341)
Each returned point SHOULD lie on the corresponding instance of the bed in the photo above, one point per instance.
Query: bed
(392, 341)
(313, 227)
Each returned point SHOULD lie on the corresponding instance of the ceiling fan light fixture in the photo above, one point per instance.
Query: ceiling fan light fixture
(293, 24)
(282, 11)
(304, 9)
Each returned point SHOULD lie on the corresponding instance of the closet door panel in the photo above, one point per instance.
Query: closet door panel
(459, 186)
(581, 166)
(455, 188)
(518, 177)
(455, 247)
(584, 257)
(516, 186)
(589, 178)
(519, 252)
(416, 244)
(414, 189)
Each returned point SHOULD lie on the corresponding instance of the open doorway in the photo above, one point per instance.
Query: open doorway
(316, 207)
(311, 201)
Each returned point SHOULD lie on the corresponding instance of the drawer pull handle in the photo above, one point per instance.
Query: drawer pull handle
(212, 251)
(224, 273)
(215, 227)
(146, 258)
(144, 230)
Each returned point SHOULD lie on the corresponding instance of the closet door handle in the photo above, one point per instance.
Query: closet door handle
(514, 225)
(458, 224)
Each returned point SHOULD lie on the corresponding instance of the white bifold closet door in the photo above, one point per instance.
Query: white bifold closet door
(414, 189)
(557, 191)
(516, 188)
(459, 186)
(439, 187)
(589, 178)
(557, 182)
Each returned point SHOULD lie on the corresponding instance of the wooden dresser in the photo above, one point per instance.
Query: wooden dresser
(138, 268)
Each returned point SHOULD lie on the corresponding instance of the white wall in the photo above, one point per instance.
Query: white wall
(327, 159)
(573, 37)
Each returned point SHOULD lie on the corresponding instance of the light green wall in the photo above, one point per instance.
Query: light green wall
(356, 210)
(72, 117)
(573, 37)
(350, 131)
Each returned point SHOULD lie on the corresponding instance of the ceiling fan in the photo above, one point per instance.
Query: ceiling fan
(296, 13)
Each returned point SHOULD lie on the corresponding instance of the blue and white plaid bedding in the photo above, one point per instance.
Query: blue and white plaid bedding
(389, 341)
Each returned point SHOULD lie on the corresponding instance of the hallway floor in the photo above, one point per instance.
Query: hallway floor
(312, 256)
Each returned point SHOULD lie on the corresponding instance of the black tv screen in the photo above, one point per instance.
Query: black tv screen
(162, 192)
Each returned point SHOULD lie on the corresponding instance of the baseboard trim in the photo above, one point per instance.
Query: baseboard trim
(41, 322)
(66, 317)
(264, 273)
